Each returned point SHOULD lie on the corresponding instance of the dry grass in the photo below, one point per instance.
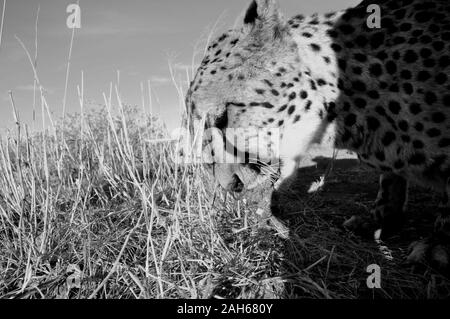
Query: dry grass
(98, 212)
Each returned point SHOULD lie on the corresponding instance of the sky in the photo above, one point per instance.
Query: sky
(137, 39)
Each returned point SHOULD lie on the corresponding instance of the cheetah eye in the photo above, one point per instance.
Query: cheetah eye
(221, 122)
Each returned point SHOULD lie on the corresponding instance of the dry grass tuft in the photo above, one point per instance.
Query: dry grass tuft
(97, 212)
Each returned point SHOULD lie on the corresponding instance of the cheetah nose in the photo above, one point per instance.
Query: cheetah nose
(228, 177)
(236, 185)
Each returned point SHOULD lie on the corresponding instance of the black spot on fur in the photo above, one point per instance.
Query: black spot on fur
(350, 120)
(441, 78)
(446, 100)
(308, 105)
(388, 138)
(417, 159)
(373, 94)
(360, 103)
(403, 125)
(399, 164)
(304, 95)
(430, 98)
(419, 127)
(282, 108)
(438, 45)
(444, 61)
(377, 40)
(346, 136)
(315, 47)
(291, 109)
(380, 156)
(410, 56)
(361, 40)
(425, 53)
(346, 28)
(433, 132)
(380, 110)
(429, 63)
(438, 117)
(423, 76)
(406, 74)
(268, 83)
(408, 88)
(236, 104)
(405, 27)
(332, 33)
(375, 69)
(342, 64)
(406, 138)
(445, 142)
(415, 108)
(360, 57)
(394, 107)
(418, 144)
(357, 70)
(372, 123)
(336, 47)
(394, 88)
(382, 55)
(359, 86)
(425, 39)
(391, 67)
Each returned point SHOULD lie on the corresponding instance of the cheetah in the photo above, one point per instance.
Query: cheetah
(382, 91)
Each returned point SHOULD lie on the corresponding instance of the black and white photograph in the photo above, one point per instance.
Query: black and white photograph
(225, 155)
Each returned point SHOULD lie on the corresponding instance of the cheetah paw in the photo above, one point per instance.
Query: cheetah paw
(277, 184)
(428, 250)
(362, 226)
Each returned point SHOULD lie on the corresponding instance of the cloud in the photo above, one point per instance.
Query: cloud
(13, 51)
(160, 80)
(108, 31)
(182, 67)
(114, 24)
(30, 87)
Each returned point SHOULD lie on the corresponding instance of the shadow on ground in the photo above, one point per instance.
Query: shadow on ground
(323, 260)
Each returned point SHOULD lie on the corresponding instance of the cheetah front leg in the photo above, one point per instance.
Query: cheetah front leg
(390, 205)
(293, 148)
(288, 169)
(436, 248)
(389, 210)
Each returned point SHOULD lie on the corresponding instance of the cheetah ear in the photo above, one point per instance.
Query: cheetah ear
(263, 17)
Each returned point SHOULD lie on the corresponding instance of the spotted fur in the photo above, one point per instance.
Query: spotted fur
(384, 92)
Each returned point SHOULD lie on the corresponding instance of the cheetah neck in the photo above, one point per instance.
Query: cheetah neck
(319, 68)
(322, 64)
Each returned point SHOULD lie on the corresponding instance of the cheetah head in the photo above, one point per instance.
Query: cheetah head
(234, 89)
